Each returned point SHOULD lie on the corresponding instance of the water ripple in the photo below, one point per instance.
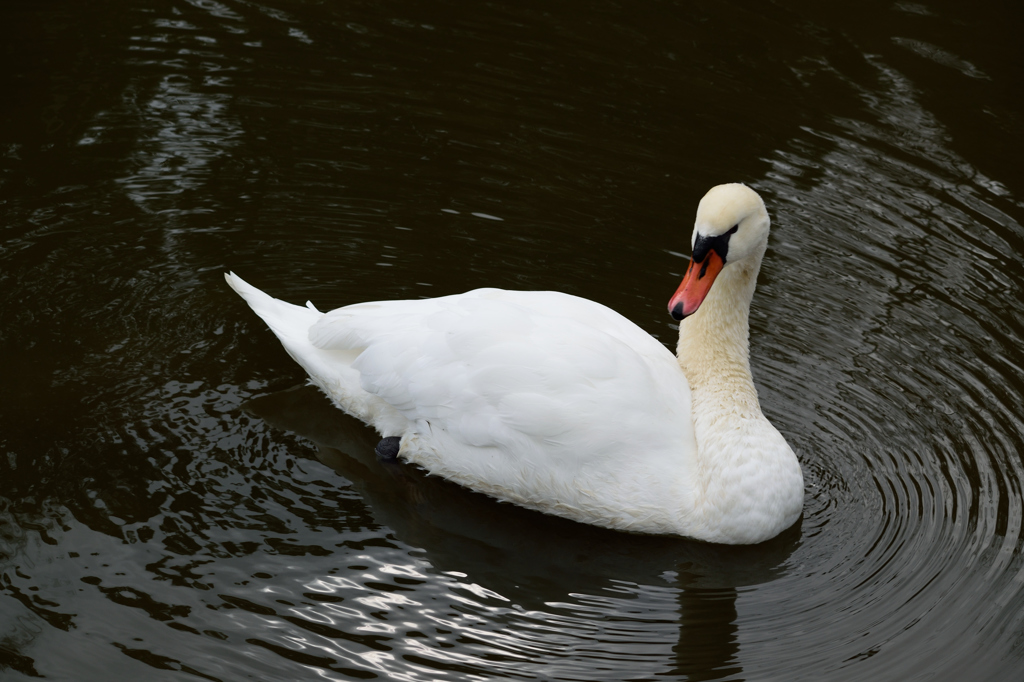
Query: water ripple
(156, 519)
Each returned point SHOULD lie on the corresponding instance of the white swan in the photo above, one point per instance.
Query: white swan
(562, 405)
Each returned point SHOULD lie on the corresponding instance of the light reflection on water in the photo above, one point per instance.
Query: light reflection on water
(155, 519)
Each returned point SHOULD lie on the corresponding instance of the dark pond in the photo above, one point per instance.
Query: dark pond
(171, 509)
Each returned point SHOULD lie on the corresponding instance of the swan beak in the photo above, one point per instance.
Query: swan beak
(695, 286)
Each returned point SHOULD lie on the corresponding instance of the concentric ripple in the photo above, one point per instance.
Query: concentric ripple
(915, 472)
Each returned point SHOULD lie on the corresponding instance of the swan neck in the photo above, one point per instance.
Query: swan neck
(713, 349)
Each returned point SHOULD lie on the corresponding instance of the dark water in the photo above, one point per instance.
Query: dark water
(156, 524)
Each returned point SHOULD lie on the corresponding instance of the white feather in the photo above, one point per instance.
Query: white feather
(560, 404)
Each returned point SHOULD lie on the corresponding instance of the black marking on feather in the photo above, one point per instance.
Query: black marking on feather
(719, 245)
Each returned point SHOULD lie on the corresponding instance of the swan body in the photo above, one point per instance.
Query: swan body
(560, 404)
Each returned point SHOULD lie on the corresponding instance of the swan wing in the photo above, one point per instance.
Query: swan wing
(505, 388)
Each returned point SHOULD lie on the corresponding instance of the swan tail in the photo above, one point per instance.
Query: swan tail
(290, 323)
(330, 369)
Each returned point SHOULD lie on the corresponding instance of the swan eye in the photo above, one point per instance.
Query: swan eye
(734, 228)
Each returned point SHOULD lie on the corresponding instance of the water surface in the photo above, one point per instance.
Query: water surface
(174, 505)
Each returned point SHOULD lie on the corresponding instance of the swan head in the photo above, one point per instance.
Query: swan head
(732, 224)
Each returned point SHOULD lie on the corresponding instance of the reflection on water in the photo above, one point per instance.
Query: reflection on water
(559, 590)
(190, 133)
(158, 517)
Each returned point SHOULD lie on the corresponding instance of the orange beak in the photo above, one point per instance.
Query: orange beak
(695, 286)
